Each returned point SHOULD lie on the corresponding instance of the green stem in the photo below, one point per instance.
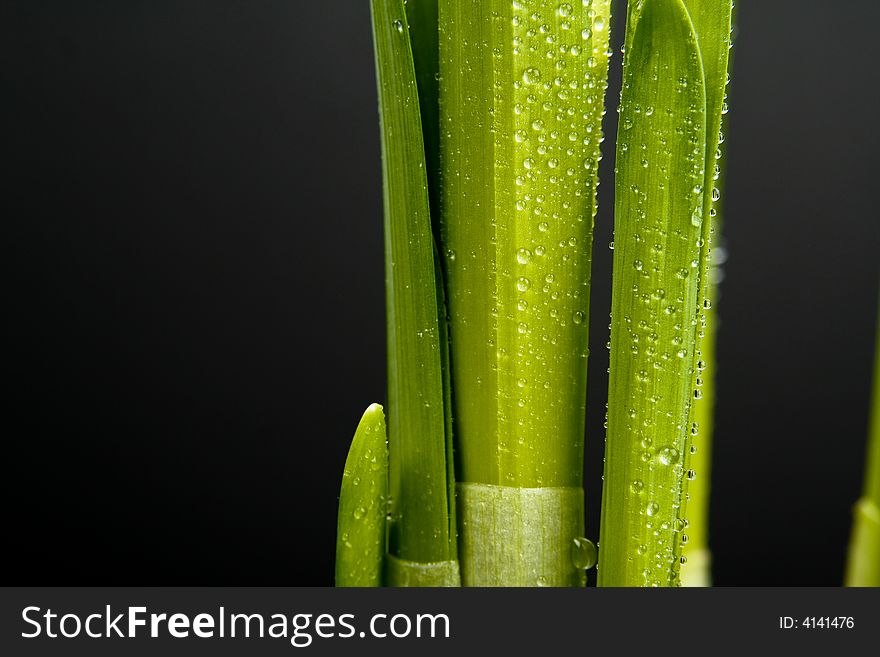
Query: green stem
(521, 100)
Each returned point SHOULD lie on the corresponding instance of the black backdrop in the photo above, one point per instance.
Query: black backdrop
(193, 297)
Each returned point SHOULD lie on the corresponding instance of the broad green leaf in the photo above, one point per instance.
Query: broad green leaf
(658, 237)
(521, 101)
(361, 524)
(420, 529)
(863, 563)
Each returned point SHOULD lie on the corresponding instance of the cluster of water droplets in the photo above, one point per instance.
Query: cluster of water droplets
(549, 120)
(661, 152)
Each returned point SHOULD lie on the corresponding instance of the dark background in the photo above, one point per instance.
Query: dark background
(193, 289)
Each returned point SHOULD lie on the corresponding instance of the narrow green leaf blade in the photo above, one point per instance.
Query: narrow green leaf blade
(420, 529)
(872, 475)
(422, 18)
(361, 523)
(712, 21)
(696, 568)
(659, 204)
(863, 563)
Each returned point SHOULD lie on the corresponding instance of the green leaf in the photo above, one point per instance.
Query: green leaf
(422, 18)
(863, 563)
(521, 101)
(697, 558)
(659, 217)
(360, 527)
(712, 21)
(420, 528)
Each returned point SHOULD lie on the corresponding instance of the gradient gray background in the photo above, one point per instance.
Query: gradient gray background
(193, 288)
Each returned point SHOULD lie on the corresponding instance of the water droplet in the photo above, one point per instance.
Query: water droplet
(565, 10)
(668, 455)
(637, 486)
(578, 317)
(523, 284)
(638, 264)
(583, 553)
(652, 509)
(359, 513)
(398, 25)
(523, 256)
(531, 76)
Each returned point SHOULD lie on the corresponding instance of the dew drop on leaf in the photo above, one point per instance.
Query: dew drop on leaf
(668, 455)
(583, 553)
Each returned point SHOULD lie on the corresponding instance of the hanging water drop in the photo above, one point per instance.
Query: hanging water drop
(583, 553)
